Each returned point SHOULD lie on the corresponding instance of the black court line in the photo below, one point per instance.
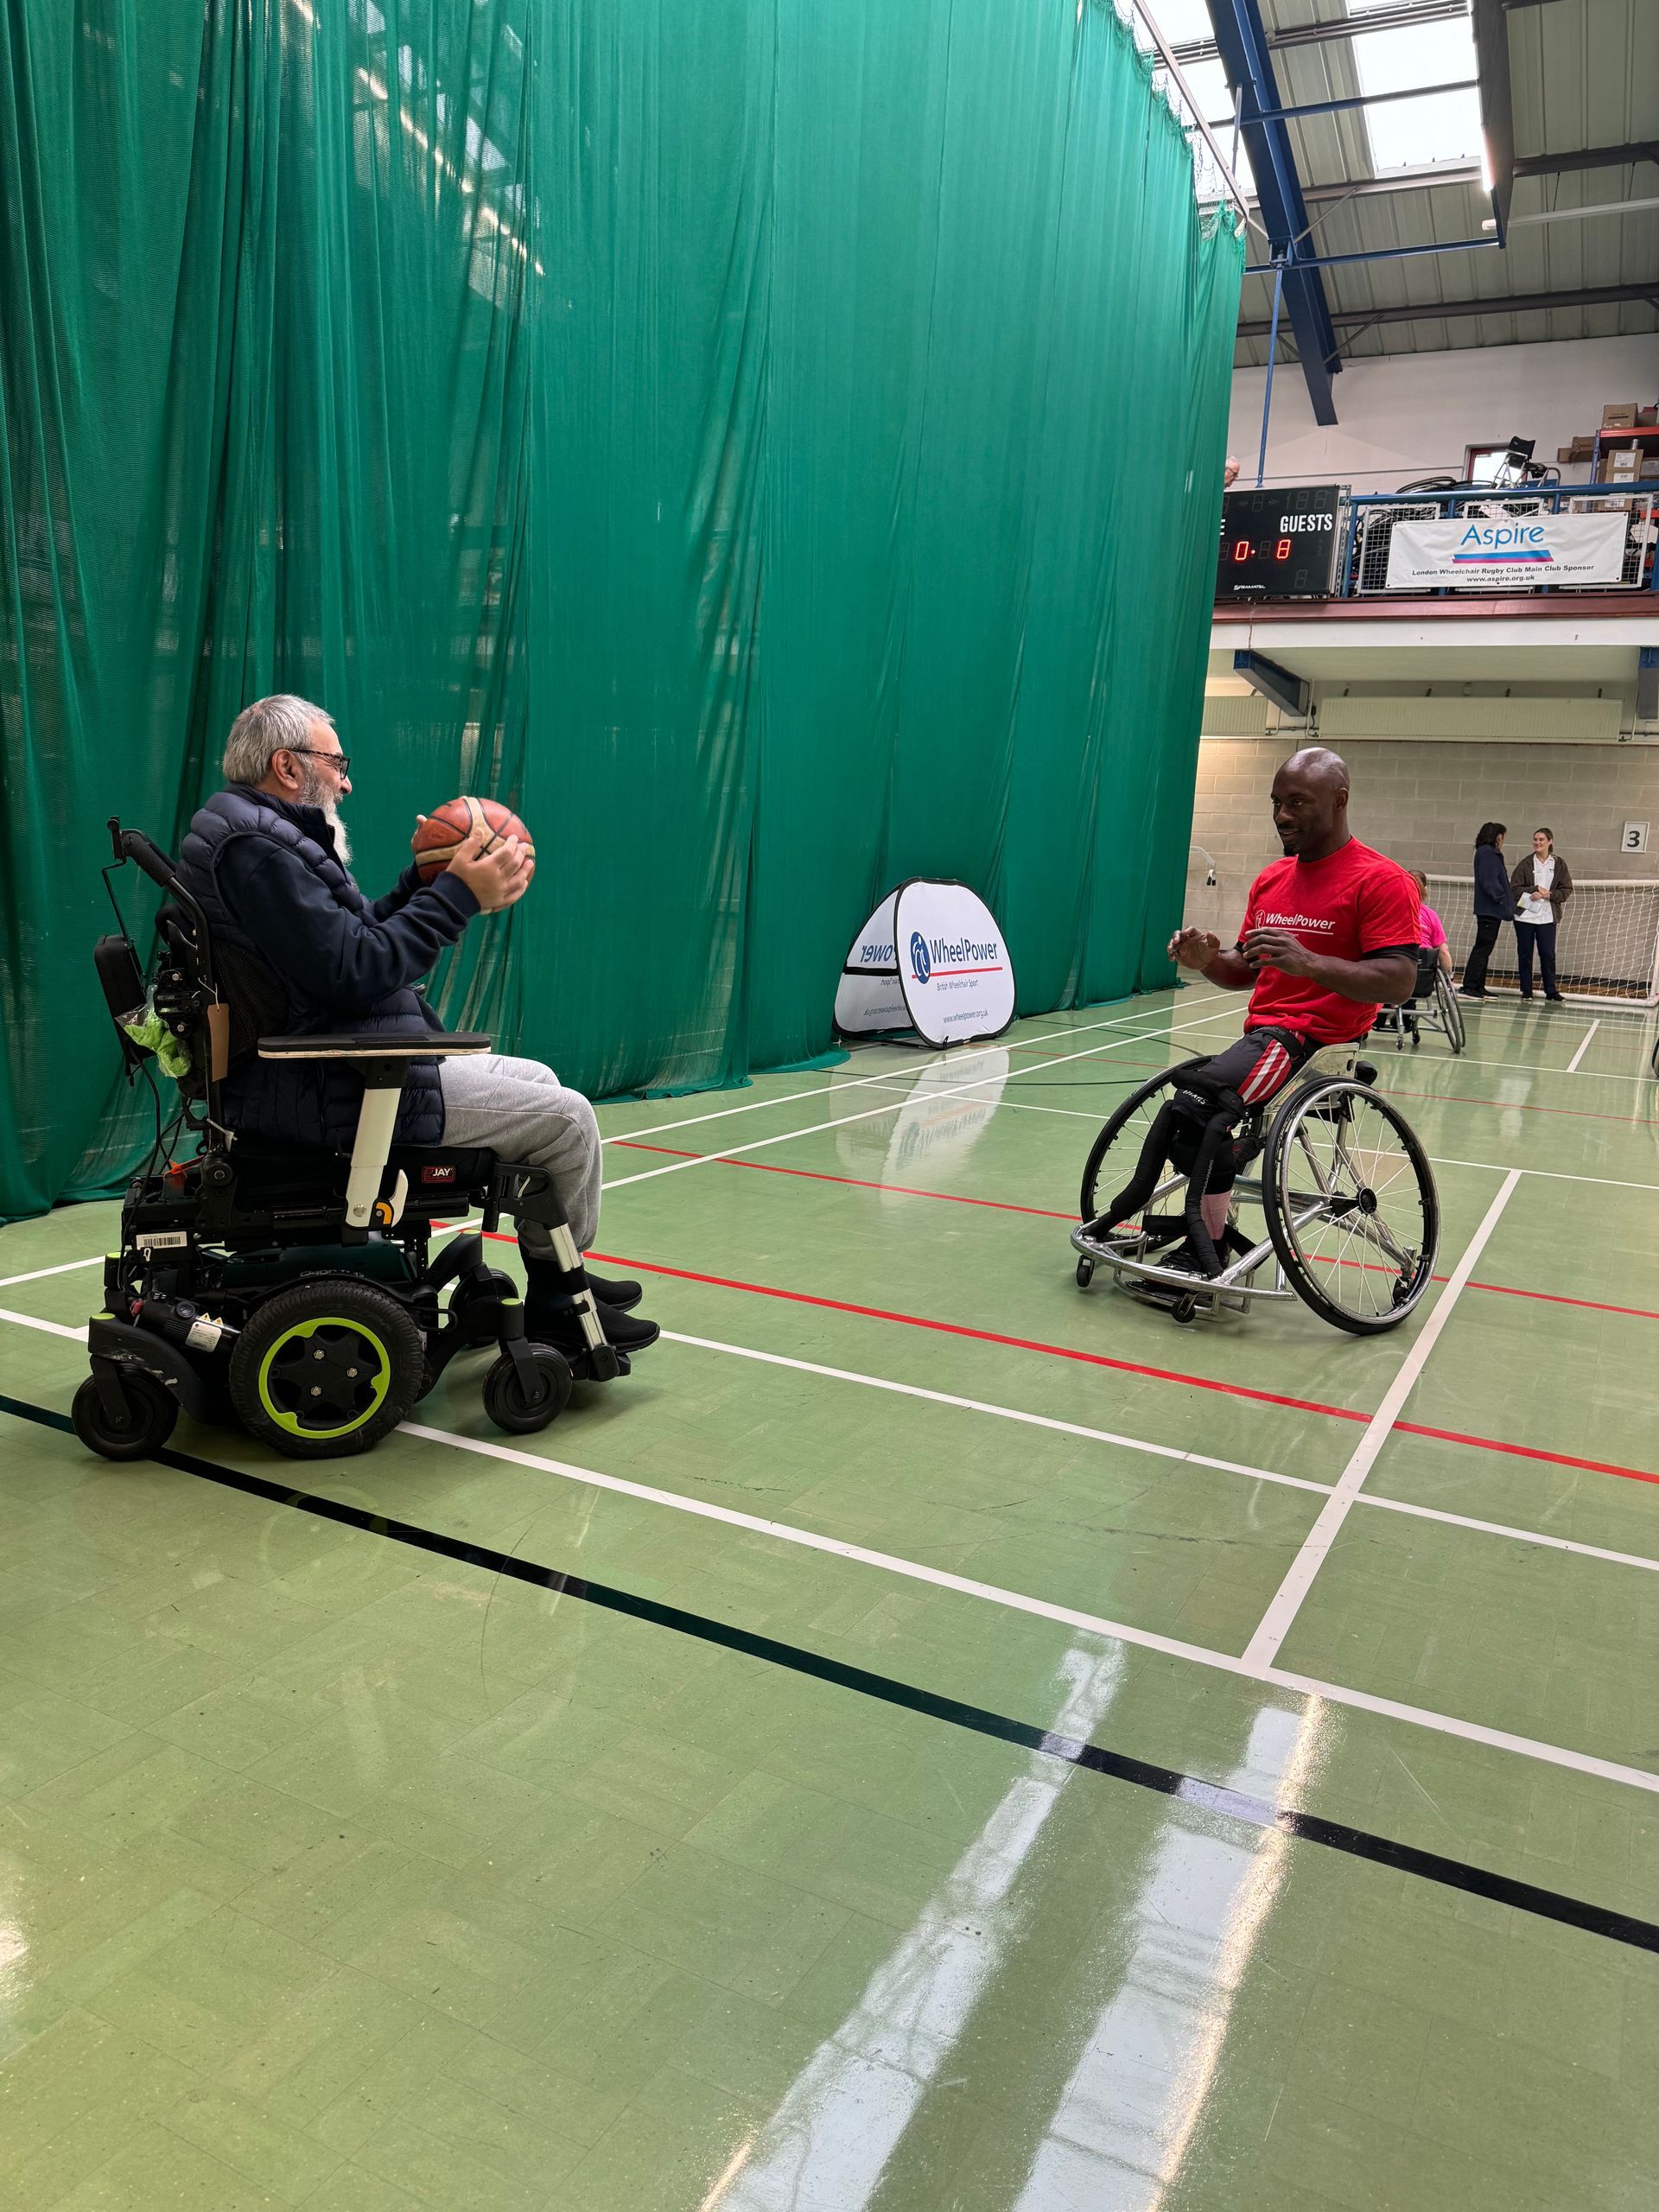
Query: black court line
(1118, 1766)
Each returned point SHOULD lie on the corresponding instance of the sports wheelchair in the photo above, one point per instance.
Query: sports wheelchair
(290, 1288)
(1432, 1005)
(1351, 1212)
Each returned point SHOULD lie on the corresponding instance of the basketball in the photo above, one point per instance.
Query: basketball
(440, 837)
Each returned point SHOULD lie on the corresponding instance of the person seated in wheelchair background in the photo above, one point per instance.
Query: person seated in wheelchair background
(266, 860)
(1330, 936)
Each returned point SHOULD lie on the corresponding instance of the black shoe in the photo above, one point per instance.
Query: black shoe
(560, 1327)
(1462, 993)
(1526, 998)
(618, 1293)
(1554, 998)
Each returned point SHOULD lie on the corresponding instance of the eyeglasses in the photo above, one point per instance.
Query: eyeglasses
(342, 761)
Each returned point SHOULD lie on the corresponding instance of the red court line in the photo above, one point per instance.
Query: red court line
(1046, 1213)
(1123, 1366)
(852, 1182)
(1128, 1367)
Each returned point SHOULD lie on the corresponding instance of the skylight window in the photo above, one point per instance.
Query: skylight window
(1182, 22)
(1414, 134)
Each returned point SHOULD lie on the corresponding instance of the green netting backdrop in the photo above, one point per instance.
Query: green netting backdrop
(778, 448)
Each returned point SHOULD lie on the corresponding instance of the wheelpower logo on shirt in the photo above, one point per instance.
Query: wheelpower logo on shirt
(931, 957)
(1270, 918)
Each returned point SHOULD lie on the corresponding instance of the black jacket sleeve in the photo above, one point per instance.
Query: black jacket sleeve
(349, 961)
(393, 901)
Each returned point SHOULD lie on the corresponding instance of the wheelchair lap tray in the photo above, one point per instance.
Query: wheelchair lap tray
(294, 1289)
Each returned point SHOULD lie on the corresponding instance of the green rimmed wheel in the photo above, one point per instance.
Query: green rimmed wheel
(325, 1369)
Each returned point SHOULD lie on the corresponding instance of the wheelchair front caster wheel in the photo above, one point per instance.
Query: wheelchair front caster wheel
(523, 1396)
(1085, 1273)
(1184, 1310)
(148, 1413)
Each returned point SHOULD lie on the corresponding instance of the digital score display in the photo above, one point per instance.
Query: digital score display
(1280, 545)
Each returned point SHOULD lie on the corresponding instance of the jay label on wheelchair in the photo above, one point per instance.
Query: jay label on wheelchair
(1286, 1117)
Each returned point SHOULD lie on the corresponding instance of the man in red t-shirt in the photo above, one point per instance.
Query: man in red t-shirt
(1329, 936)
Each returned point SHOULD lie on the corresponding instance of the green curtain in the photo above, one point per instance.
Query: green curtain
(777, 449)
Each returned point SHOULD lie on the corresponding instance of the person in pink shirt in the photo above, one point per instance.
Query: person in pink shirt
(1431, 929)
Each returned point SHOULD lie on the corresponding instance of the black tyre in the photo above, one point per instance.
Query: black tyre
(522, 1398)
(1451, 1013)
(149, 1409)
(472, 1307)
(327, 1368)
(1124, 1133)
(1351, 1205)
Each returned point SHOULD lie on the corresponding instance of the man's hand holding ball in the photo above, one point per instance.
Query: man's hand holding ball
(482, 842)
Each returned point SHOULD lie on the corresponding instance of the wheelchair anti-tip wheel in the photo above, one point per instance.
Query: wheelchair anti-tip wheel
(326, 1368)
(144, 1425)
(1351, 1205)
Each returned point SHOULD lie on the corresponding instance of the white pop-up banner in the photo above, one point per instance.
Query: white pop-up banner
(1507, 552)
(931, 958)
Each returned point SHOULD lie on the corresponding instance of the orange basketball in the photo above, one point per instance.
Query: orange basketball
(441, 837)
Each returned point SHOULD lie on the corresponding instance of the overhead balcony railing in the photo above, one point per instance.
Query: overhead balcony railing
(1552, 541)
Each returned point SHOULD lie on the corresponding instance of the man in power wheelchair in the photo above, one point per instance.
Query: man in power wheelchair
(1330, 935)
(282, 1274)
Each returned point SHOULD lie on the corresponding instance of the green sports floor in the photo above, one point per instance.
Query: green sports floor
(931, 1739)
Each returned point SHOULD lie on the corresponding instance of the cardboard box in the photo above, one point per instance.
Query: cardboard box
(1620, 468)
(1647, 418)
(1621, 417)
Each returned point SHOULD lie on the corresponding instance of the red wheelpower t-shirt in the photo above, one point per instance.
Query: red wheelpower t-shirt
(1355, 903)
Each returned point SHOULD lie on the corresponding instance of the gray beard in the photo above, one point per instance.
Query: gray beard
(315, 794)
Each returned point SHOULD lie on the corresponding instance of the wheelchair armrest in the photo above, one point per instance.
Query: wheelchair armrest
(436, 1044)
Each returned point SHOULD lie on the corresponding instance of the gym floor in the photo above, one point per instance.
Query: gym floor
(931, 1739)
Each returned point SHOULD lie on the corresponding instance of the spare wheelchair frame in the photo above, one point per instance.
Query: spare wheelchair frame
(291, 1288)
(1351, 1212)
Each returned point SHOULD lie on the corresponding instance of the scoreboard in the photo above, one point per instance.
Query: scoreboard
(1279, 544)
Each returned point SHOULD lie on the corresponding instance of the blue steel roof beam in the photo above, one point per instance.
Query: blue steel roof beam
(1241, 41)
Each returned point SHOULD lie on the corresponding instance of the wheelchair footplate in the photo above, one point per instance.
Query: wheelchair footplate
(1139, 1254)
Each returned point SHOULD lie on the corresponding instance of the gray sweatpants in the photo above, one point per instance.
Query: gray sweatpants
(521, 1110)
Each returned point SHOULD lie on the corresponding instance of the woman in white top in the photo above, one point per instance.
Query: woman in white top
(1543, 886)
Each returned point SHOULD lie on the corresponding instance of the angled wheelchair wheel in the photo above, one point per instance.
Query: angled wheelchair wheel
(1451, 1013)
(1351, 1205)
(325, 1369)
(144, 1424)
(1120, 1141)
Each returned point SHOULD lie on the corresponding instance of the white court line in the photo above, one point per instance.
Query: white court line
(1170, 1646)
(927, 1059)
(1170, 1451)
(51, 1328)
(1435, 1159)
(1572, 1065)
(1000, 1412)
(36, 1274)
(1263, 1647)
(870, 1113)
(1077, 1428)
(1119, 1631)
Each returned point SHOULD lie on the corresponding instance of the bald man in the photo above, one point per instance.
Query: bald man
(1329, 939)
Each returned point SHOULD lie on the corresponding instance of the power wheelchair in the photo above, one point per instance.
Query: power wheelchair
(290, 1288)
(1433, 1006)
(1351, 1210)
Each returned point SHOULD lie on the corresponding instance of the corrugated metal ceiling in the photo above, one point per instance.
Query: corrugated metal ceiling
(1583, 73)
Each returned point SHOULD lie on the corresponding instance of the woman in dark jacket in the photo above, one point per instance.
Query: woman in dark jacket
(1543, 884)
(1494, 905)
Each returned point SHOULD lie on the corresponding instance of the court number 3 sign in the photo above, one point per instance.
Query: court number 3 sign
(1635, 839)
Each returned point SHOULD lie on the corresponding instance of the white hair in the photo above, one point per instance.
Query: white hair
(280, 723)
